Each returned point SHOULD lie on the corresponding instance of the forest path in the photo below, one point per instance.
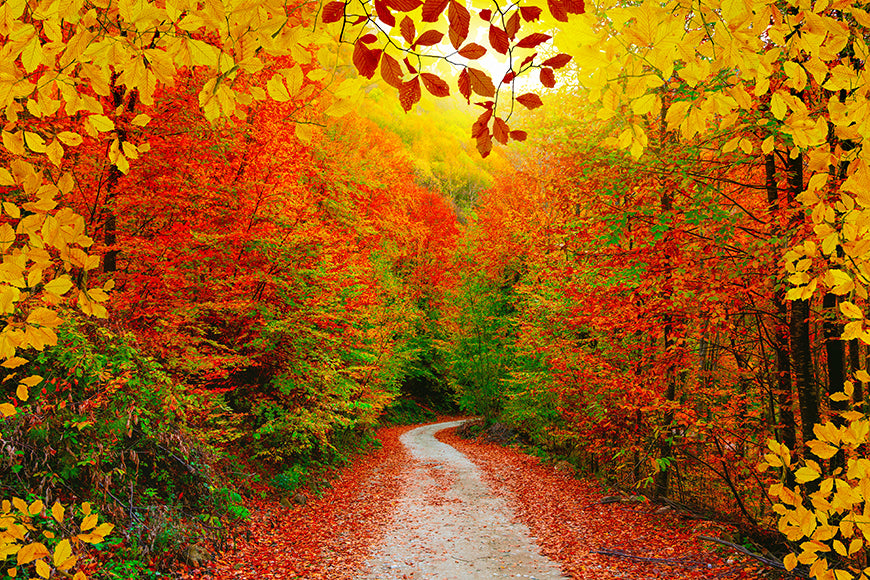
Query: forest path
(448, 523)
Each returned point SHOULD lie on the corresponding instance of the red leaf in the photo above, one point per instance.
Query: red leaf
(432, 9)
(530, 13)
(528, 59)
(557, 61)
(472, 51)
(500, 131)
(498, 39)
(518, 135)
(464, 85)
(558, 10)
(548, 79)
(410, 66)
(359, 19)
(533, 40)
(429, 38)
(365, 60)
(410, 94)
(481, 125)
(530, 100)
(333, 12)
(485, 15)
(408, 30)
(384, 14)
(480, 82)
(575, 6)
(484, 144)
(513, 25)
(368, 38)
(511, 75)
(460, 20)
(391, 71)
(404, 5)
(435, 85)
(455, 39)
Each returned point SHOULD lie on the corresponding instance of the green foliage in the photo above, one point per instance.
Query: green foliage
(405, 411)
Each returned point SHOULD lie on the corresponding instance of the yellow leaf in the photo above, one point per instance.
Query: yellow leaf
(821, 449)
(43, 569)
(790, 562)
(850, 310)
(91, 520)
(69, 138)
(86, 508)
(778, 106)
(7, 410)
(31, 552)
(34, 142)
(277, 89)
(62, 552)
(36, 507)
(80, 576)
(14, 362)
(840, 548)
(12, 572)
(805, 474)
(59, 285)
(32, 380)
(644, 104)
(141, 120)
(32, 55)
(54, 152)
(22, 392)
(104, 529)
(101, 123)
(839, 397)
(57, 511)
(767, 145)
(862, 376)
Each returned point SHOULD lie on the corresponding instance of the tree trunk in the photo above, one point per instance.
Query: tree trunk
(781, 326)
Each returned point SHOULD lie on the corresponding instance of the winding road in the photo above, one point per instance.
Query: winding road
(449, 525)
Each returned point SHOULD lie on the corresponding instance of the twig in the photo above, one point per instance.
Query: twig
(772, 562)
(689, 563)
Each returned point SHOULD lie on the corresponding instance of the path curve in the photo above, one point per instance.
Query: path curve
(449, 525)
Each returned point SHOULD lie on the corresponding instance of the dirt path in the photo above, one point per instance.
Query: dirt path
(448, 524)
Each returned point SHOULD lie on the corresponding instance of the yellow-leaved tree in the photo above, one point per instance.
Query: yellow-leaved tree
(76, 72)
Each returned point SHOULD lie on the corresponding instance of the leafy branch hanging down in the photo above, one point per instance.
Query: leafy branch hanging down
(383, 41)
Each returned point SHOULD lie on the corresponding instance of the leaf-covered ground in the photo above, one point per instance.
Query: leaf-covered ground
(331, 537)
(571, 528)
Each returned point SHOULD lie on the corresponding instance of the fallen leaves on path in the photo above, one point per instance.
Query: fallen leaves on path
(329, 537)
(597, 541)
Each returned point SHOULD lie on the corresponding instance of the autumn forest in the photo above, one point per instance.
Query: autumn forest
(245, 242)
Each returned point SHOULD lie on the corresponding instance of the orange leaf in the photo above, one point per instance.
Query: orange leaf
(432, 9)
(435, 85)
(557, 61)
(384, 14)
(530, 100)
(464, 83)
(391, 71)
(513, 25)
(548, 79)
(480, 82)
(500, 131)
(472, 51)
(407, 29)
(429, 38)
(533, 40)
(498, 39)
(410, 93)
(530, 13)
